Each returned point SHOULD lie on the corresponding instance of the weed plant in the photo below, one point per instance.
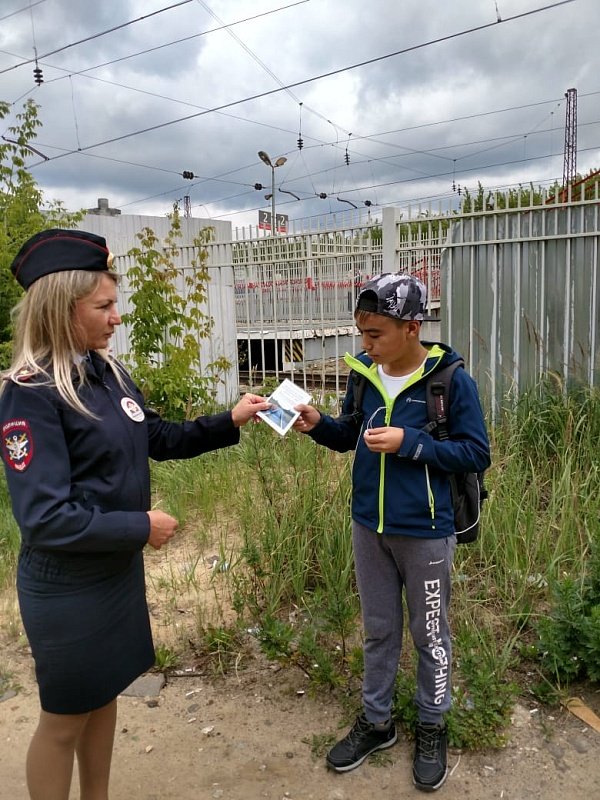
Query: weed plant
(569, 642)
(164, 658)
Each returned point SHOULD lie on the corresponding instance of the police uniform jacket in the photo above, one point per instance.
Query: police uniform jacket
(80, 485)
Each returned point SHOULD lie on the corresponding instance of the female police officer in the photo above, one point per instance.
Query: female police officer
(76, 438)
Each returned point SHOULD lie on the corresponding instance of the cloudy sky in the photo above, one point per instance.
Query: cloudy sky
(397, 102)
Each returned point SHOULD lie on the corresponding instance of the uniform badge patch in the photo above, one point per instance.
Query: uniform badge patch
(132, 409)
(17, 444)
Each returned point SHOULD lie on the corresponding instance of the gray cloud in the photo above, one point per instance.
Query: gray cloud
(407, 115)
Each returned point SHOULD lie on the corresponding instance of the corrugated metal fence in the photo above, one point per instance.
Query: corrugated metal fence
(520, 295)
(517, 291)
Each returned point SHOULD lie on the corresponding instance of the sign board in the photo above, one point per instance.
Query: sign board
(264, 221)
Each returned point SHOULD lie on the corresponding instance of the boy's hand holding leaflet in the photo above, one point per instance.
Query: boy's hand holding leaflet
(282, 414)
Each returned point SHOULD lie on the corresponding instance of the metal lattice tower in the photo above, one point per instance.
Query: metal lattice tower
(570, 165)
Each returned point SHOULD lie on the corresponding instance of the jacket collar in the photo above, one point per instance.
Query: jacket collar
(437, 353)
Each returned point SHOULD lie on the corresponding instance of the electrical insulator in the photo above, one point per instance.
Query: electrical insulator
(368, 203)
(322, 195)
(188, 175)
(300, 143)
(347, 158)
(258, 186)
(38, 76)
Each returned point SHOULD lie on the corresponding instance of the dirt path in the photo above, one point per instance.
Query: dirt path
(249, 736)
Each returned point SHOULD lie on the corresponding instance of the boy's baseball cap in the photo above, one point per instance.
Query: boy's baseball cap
(395, 295)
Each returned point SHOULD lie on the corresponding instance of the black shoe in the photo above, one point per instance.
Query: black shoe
(430, 764)
(364, 739)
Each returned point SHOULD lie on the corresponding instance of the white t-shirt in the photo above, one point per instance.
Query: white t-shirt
(395, 383)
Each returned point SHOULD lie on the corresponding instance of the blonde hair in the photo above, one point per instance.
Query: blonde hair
(45, 342)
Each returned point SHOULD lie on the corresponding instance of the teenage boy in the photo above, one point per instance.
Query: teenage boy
(402, 515)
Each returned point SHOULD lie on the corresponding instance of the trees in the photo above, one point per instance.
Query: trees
(167, 325)
(582, 188)
(488, 200)
(21, 213)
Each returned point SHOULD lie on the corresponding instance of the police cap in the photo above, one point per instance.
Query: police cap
(58, 250)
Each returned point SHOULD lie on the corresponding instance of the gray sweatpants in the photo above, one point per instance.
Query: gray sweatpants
(385, 565)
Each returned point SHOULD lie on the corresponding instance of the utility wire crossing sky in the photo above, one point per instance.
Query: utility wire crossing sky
(390, 104)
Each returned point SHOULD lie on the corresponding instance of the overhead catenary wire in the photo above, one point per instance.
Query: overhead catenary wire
(366, 139)
(75, 123)
(224, 26)
(20, 10)
(404, 202)
(386, 159)
(412, 48)
(373, 137)
(368, 188)
(449, 173)
(395, 202)
(97, 35)
(370, 137)
(37, 72)
(310, 175)
(470, 169)
(261, 63)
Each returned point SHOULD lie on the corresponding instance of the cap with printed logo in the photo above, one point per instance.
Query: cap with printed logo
(395, 295)
(58, 250)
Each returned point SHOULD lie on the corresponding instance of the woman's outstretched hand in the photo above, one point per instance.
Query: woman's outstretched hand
(246, 408)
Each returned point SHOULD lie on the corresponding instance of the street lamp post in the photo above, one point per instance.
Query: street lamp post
(264, 157)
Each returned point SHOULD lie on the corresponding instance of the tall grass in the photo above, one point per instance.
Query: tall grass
(544, 502)
(283, 507)
(294, 520)
(9, 537)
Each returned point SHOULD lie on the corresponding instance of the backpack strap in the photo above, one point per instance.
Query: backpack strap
(358, 383)
(358, 390)
(437, 394)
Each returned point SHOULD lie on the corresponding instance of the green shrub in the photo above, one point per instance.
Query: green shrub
(569, 636)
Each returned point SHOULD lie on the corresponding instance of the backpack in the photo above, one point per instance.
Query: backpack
(467, 488)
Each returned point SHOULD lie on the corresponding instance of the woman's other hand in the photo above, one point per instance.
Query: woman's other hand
(162, 528)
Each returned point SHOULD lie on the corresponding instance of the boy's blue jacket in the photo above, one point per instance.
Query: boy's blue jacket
(408, 492)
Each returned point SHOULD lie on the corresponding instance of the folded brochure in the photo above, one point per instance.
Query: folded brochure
(281, 416)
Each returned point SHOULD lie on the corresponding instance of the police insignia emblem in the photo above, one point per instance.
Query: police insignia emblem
(17, 444)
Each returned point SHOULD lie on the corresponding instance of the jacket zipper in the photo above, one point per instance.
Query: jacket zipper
(389, 407)
(430, 497)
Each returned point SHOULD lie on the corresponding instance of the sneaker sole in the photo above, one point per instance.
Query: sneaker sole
(426, 787)
(356, 764)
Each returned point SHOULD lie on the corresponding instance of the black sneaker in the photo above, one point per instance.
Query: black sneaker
(364, 739)
(430, 764)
